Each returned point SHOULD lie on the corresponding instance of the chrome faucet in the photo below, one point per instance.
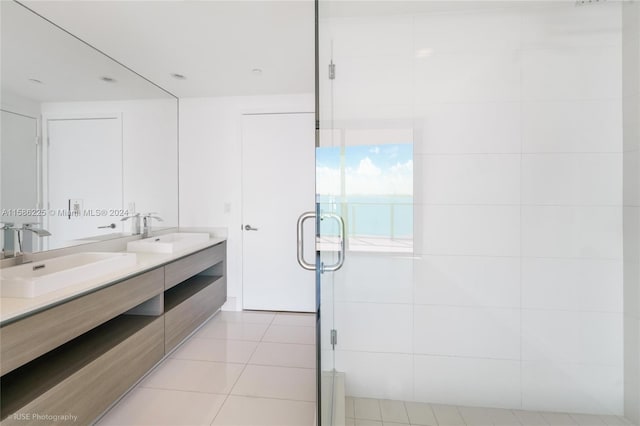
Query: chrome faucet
(135, 223)
(40, 232)
(17, 253)
(146, 224)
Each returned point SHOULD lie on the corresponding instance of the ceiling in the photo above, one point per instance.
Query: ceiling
(62, 68)
(216, 45)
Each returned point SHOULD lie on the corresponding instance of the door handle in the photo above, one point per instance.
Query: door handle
(112, 226)
(300, 240)
(342, 252)
(249, 228)
(300, 237)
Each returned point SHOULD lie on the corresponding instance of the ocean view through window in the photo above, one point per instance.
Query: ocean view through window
(371, 187)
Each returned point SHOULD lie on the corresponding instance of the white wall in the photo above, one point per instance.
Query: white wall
(631, 126)
(514, 295)
(150, 150)
(210, 167)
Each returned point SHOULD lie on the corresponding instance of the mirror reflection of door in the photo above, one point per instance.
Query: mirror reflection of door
(18, 180)
(84, 176)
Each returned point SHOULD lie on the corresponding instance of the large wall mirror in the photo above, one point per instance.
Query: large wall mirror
(85, 141)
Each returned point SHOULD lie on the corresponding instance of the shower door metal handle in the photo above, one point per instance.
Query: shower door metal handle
(300, 238)
(342, 252)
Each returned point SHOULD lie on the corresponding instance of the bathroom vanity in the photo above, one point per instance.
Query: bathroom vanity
(76, 356)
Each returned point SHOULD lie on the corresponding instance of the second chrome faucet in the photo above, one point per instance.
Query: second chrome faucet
(146, 223)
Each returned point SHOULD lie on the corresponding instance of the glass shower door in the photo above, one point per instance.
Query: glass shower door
(364, 175)
(475, 151)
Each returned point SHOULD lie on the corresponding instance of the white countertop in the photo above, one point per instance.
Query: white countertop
(12, 308)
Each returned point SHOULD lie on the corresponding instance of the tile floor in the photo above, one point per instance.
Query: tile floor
(258, 369)
(240, 369)
(374, 412)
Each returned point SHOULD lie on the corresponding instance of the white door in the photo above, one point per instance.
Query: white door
(278, 184)
(18, 172)
(84, 169)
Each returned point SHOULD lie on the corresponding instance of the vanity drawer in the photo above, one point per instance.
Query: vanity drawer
(28, 338)
(180, 270)
(100, 381)
(193, 302)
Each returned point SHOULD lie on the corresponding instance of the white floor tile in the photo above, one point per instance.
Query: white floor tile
(614, 421)
(246, 317)
(393, 411)
(284, 355)
(233, 351)
(500, 417)
(160, 407)
(559, 419)
(530, 418)
(286, 318)
(588, 420)
(190, 387)
(367, 408)
(447, 415)
(245, 411)
(277, 382)
(196, 376)
(232, 331)
(369, 411)
(290, 334)
(208, 379)
(420, 414)
(366, 422)
(476, 416)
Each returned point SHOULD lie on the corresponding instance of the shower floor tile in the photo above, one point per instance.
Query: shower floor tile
(379, 412)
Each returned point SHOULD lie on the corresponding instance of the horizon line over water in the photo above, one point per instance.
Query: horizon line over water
(370, 215)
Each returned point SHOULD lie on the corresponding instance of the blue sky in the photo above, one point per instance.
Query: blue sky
(383, 156)
(385, 169)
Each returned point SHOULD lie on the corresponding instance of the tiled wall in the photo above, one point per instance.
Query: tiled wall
(631, 126)
(514, 294)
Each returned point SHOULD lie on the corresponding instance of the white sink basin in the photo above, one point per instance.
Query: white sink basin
(37, 278)
(168, 243)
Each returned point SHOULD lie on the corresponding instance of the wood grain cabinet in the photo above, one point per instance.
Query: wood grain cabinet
(83, 378)
(183, 269)
(189, 305)
(28, 338)
(79, 357)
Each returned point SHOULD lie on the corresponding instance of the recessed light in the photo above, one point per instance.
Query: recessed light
(178, 76)
(256, 71)
(108, 79)
(36, 81)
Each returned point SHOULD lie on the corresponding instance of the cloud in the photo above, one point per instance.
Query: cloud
(403, 167)
(327, 180)
(367, 168)
(367, 179)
